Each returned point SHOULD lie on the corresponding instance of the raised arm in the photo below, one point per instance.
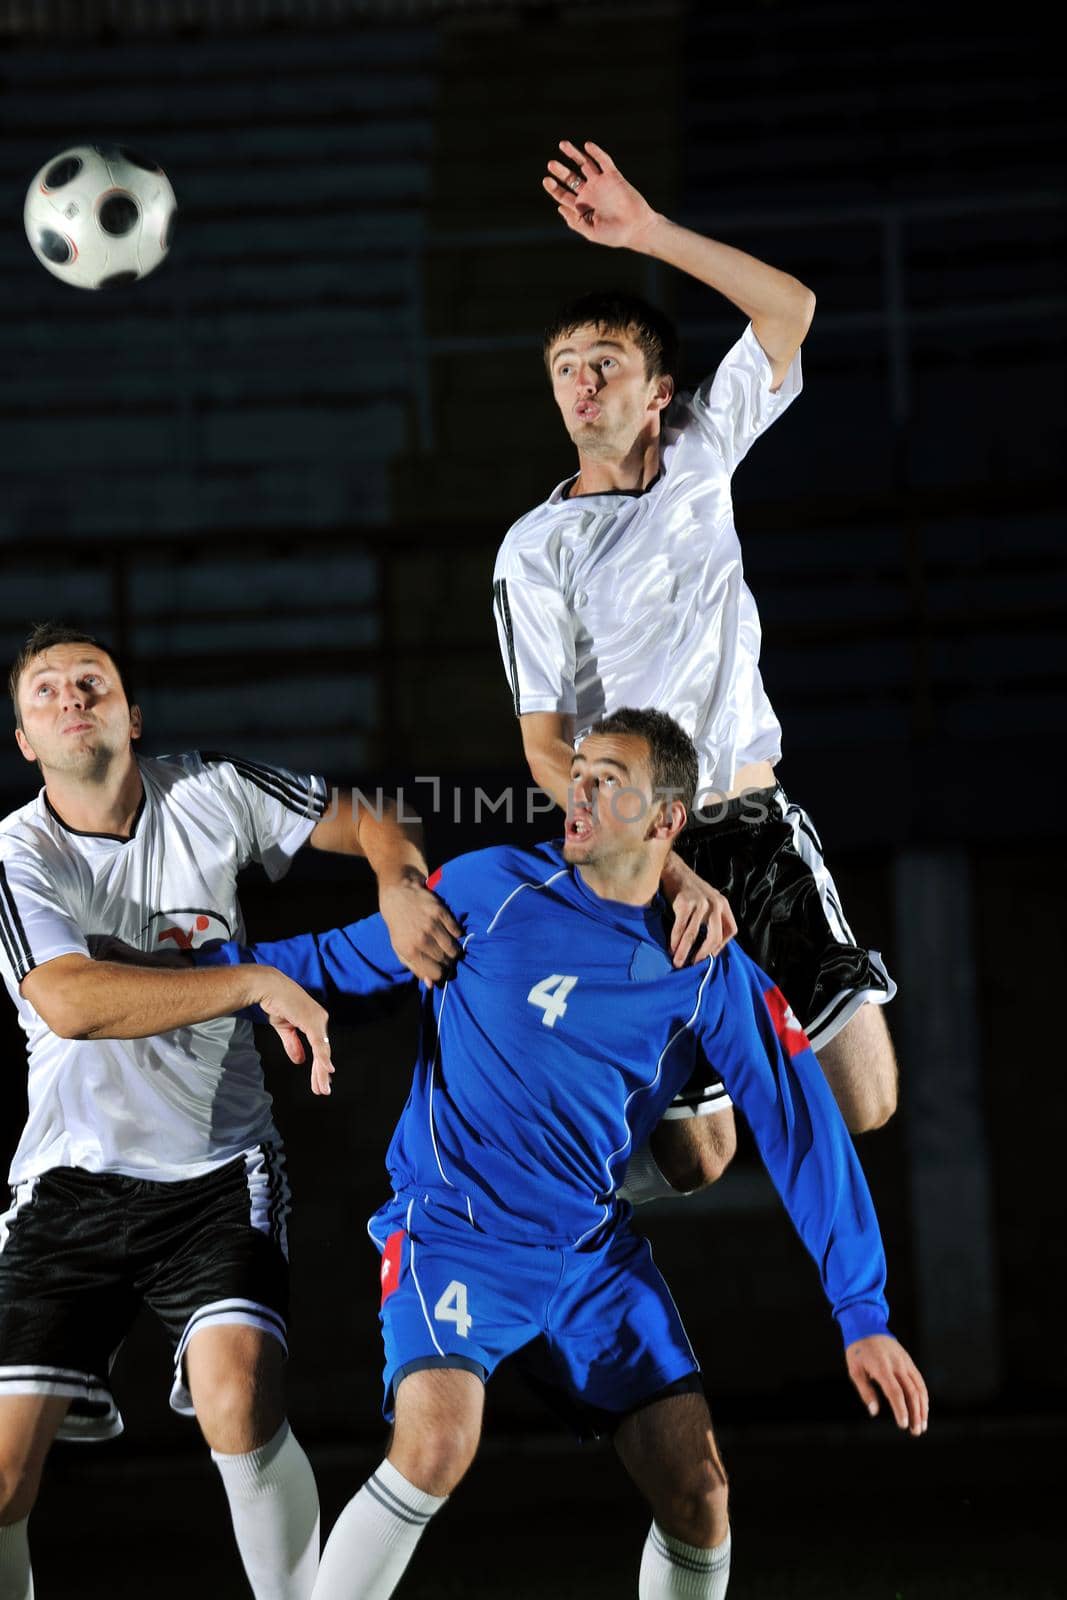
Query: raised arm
(548, 745)
(596, 201)
(424, 933)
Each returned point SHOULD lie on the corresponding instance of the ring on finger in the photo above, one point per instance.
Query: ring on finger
(574, 183)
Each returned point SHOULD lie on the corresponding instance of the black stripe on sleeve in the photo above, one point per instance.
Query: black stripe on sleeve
(278, 785)
(12, 931)
(308, 802)
(500, 600)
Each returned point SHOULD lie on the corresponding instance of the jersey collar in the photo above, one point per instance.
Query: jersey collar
(561, 497)
(84, 833)
(647, 920)
(566, 498)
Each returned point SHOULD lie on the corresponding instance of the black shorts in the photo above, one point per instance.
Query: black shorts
(765, 856)
(80, 1252)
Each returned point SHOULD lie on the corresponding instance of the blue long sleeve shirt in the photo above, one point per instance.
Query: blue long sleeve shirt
(559, 1042)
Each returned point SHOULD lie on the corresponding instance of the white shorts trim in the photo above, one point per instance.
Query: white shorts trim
(220, 1314)
(706, 1108)
(269, 1195)
(843, 1007)
(22, 1196)
(833, 1017)
(72, 1385)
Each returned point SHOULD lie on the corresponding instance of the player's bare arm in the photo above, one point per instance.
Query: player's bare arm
(597, 202)
(703, 921)
(424, 934)
(881, 1363)
(548, 744)
(80, 998)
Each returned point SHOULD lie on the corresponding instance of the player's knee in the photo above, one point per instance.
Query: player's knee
(861, 1066)
(875, 1114)
(435, 1459)
(19, 1483)
(876, 1105)
(235, 1414)
(697, 1510)
(716, 1156)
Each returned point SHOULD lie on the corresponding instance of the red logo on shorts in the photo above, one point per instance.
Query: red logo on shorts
(786, 1026)
(391, 1263)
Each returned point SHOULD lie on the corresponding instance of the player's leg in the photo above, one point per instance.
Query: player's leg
(765, 855)
(861, 1068)
(435, 1438)
(686, 1152)
(64, 1310)
(217, 1275)
(690, 1148)
(620, 1362)
(454, 1302)
(234, 1375)
(669, 1450)
(437, 1428)
(28, 1425)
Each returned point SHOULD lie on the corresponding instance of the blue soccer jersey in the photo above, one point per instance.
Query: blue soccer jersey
(558, 1044)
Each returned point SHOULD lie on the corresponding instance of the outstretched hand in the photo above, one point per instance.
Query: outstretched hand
(595, 200)
(295, 1016)
(880, 1362)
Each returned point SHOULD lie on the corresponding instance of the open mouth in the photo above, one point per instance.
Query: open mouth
(587, 411)
(580, 826)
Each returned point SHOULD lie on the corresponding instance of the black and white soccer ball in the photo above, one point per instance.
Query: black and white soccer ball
(100, 217)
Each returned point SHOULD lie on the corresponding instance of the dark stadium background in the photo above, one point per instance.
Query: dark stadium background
(276, 473)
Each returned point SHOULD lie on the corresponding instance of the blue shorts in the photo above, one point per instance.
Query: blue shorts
(597, 1327)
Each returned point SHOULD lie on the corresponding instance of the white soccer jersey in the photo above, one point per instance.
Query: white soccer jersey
(182, 1103)
(638, 598)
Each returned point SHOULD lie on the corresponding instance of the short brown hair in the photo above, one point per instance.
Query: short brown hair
(618, 311)
(43, 636)
(674, 764)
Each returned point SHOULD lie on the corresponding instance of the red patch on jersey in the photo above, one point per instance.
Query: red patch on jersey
(434, 879)
(786, 1026)
(390, 1270)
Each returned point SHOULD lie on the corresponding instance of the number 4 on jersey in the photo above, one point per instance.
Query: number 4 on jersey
(550, 996)
(452, 1307)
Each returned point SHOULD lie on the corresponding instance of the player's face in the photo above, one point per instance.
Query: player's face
(611, 806)
(605, 398)
(75, 715)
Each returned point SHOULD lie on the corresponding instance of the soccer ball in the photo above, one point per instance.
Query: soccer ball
(99, 218)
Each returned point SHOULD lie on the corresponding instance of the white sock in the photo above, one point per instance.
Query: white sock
(374, 1538)
(275, 1509)
(16, 1579)
(671, 1570)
